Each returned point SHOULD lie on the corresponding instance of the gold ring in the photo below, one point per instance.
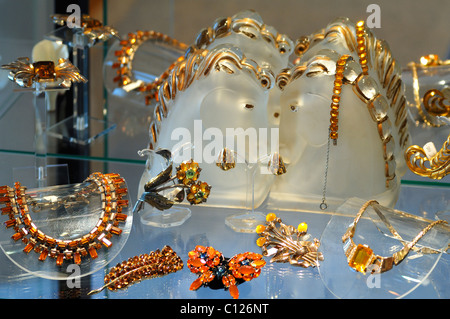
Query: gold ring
(25, 74)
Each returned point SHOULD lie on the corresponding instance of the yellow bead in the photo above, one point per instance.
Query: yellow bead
(260, 241)
(260, 228)
(302, 227)
(271, 217)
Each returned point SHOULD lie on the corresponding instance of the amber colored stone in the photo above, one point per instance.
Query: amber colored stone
(246, 270)
(43, 255)
(258, 263)
(116, 230)
(17, 236)
(196, 284)
(261, 241)
(106, 242)
(28, 248)
(197, 262)
(271, 217)
(225, 281)
(192, 254)
(260, 228)
(77, 258)
(45, 70)
(4, 199)
(121, 217)
(60, 259)
(93, 252)
(10, 223)
(6, 210)
(200, 248)
(234, 292)
(302, 227)
(361, 257)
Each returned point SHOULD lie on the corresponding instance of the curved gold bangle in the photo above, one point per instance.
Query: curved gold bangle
(435, 167)
(125, 58)
(25, 74)
(112, 196)
(360, 257)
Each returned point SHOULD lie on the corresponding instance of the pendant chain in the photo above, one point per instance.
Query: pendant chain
(324, 205)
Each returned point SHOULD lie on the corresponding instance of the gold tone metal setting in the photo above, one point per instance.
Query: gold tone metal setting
(25, 74)
(288, 244)
(373, 54)
(436, 166)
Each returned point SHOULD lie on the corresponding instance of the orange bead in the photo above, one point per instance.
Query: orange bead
(60, 259)
(261, 241)
(260, 228)
(302, 227)
(271, 217)
(258, 263)
(196, 284)
(234, 292)
(246, 270)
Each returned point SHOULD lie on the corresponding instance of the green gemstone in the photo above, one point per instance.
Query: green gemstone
(190, 173)
(199, 194)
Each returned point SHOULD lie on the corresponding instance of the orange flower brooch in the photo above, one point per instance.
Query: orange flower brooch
(215, 271)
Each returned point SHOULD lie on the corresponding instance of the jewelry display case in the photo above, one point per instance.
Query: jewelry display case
(124, 145)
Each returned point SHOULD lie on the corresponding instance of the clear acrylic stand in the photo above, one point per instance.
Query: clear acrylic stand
(246, 222)
(174, 216)
(344, 282)
(79, 128)
(41, 174)
(55, 212)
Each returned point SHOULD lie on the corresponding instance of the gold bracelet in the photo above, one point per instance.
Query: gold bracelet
(25, 74)
(16, 207)
(125, 58)
(360, 257)
(336, 97)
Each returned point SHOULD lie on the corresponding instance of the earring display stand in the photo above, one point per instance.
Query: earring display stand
(41, 174)
(246, 222)
(79, 128)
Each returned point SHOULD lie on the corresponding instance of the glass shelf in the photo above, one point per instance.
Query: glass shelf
(116, 151)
